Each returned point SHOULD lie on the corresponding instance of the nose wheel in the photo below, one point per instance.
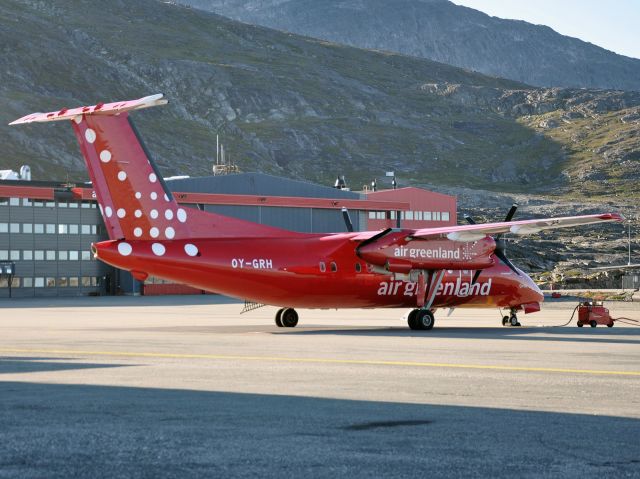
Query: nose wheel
(511, 320)
(421, 319)
(286, 318)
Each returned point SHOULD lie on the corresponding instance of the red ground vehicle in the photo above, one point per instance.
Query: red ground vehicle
(593, 313)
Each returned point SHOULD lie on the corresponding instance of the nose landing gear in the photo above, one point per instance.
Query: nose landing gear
(511, 320)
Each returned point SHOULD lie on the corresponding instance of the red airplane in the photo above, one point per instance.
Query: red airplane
(425, 269)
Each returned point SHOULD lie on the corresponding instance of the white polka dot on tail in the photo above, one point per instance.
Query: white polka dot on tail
(122, 213)
(191, 249)
(138, 195)
(169, 232)
(90, 135)
(152, 177)
(138, 213)
(182, 215)
(124, 249)
(158, 249)
(105, 156)
(122, 175)
(108, 211)
(154, 195)
(154, 232)
(154, 214)
(137, 232)
(168, 214)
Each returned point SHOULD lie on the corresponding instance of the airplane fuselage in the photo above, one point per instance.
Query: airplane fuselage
(312, 271)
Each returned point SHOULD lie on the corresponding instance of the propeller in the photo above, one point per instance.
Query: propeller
(347, 219)
(500, 244)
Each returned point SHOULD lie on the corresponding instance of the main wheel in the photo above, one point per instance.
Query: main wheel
(505, 320)
(425, 319)
(513, 320)
(610, 325)
(279, 317)
(579, 324)
(411, 320)
(593, 323)
(289, 318)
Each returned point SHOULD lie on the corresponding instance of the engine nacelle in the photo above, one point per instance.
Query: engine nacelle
(398, 253)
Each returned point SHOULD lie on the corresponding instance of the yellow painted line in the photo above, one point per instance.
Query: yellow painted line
(319, 361)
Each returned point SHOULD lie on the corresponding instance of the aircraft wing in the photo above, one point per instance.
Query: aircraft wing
(523, 227)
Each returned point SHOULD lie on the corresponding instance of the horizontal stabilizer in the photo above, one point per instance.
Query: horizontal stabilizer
(99, 109)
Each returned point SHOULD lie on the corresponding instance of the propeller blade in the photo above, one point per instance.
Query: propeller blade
(512, 211)
(500, 254)
(347, 219)
(476, 275)
(469, 220)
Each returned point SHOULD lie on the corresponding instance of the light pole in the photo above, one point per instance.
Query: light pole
(629, 223)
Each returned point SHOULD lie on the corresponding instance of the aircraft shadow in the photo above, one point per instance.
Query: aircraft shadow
(10, 365)
(61, 431)
(601, 335)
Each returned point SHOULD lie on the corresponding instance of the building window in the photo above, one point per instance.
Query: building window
(73, 256)
(50, 204)
(14, 255)
(51, 255)
(73, 282)
(62, 204)
(73, 229)
(51, 282)
(63, 256)
(323, 267)
(426, 215)
(63, 229)
(84, 204)
(14, 201)
(14, 227)
(27, 228)
(27, 282)
(4, 254)
(38, 203)
(4, 227)
(38, 255)
(86, 281)
(418, 215)
(39, 282)
(38, 228)
(94, 229)
(63, 282)
(86, 255)
(436, 216)
(50, 229)
(26, 202)
(27, 255)
(372, 215)
(85, 229)
(408, 215)
(393, 215)
(445, 216)
(73, 204)
(4, 202)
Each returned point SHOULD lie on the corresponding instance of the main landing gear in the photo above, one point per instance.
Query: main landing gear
(421, 319)
(511, 320)
(286, 318)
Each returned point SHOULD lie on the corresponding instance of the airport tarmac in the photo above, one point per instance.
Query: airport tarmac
(186, 387)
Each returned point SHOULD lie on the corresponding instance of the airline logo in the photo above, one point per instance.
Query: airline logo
(426, 253)
(457, 288)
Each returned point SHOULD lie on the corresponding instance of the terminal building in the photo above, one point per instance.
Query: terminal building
(46, 228)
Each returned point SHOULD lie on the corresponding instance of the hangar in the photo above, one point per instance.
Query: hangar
(46, 228)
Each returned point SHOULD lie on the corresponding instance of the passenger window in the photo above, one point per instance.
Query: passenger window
(358, 267)
(334, 267)
(323, 267)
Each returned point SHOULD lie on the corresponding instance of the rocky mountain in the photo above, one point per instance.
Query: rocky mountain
(442, 31)
(301, 107)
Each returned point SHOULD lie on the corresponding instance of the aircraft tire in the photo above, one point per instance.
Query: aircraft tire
(593, 323)
(279, 318)
(513, 320)
(609, 325)
(425, 319)
(411, 320)
(289, 318)
(505, 320)
(579, 324)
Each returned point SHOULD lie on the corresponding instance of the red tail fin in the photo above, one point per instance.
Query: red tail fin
(134, 200)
